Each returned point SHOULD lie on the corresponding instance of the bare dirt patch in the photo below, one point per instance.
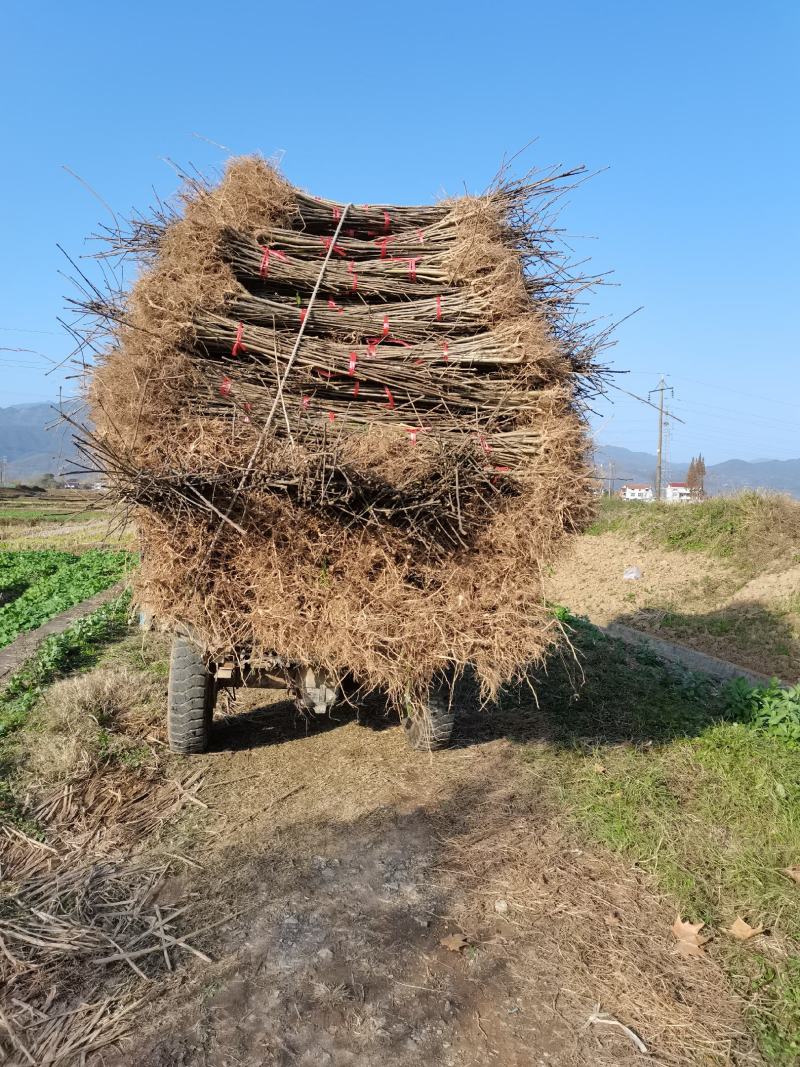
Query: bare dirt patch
(773, 586)
(341, 861)
(590, 580)
(687, 597)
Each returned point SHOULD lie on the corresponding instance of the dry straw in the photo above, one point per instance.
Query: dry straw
(381, 494)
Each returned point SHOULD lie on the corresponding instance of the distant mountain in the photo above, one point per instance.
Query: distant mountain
(29, 447)
(781, 475)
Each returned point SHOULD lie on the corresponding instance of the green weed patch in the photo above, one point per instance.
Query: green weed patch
(77, 647)
(749, 530)
(35, 586)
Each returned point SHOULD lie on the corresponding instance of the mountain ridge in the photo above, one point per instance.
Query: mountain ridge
(30, 449)
(728, 476)
(34, 441)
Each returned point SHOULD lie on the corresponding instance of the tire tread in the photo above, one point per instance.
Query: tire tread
(190, 699)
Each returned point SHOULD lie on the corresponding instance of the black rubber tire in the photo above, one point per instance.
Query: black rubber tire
(431, 727)
(190, 699)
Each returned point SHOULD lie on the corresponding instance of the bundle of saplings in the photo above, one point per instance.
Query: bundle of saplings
(352, 435)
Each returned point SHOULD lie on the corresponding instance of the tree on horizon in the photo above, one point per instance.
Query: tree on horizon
(696, 477)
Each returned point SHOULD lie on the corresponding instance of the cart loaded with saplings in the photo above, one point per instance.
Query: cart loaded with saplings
(351, 437)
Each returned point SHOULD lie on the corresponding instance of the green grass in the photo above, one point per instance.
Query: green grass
(653, 764)
(35, 586)
(79, 646)
(749, 530)
(76, 648)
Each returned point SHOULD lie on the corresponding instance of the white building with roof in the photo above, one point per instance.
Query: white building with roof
(678, 493)
(637, 491)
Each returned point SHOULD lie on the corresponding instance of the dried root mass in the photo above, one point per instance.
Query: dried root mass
(353, 434)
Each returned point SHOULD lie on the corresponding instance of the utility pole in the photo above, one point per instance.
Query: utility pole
(661, 388)
(3, 461)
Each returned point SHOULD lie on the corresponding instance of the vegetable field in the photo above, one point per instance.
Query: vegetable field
(36, 585)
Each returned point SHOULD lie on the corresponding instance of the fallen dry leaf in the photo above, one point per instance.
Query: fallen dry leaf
(742, 930)
(793, 872)
(612, 919)
(688, 937)
(454, 942)
(599, 768)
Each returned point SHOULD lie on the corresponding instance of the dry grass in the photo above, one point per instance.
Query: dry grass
(604, 926)
(89, 721)
(751, 530)
(83, 926)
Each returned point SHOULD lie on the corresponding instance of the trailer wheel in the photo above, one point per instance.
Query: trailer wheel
(431, 727)
(190, 699)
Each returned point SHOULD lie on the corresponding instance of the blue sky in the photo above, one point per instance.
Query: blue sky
(688, 110)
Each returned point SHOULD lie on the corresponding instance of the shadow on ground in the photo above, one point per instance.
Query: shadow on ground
(594, 690)
(338, 903)
(748, 633)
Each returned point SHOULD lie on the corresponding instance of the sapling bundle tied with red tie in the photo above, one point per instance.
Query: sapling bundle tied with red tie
(351, 434)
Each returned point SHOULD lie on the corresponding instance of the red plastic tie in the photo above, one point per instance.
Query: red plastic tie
(412, 262)
(351, 369)
(306, 401)
(237, 344)
(388, 392)
(263, 270)
(352, 268)
(225, 386)
(383, 243)
(356, 388)
(338, 250)
(303, 313)
(487, 448)
(438, 309)
(331, 416)
(387, 221)
(372, 346)
(336, 214)
(412, 432)
(445, 351)
(323, 373)
(421, 236)
(502, 469)
(385, 330)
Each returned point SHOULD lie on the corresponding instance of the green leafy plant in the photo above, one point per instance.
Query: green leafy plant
(39, 585)
(772, 709)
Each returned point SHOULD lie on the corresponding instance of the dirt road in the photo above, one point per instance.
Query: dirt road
(339, 864)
